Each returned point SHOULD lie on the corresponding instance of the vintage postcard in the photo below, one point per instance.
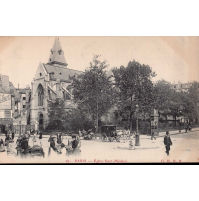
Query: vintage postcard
(99, 99)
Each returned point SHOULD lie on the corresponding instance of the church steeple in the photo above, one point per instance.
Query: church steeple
(57, 54)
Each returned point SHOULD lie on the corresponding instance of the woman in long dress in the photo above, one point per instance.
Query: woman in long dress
(36, 140)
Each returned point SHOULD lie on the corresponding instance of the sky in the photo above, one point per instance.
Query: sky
(172, 58)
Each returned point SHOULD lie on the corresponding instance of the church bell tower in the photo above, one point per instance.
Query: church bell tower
(57, 54)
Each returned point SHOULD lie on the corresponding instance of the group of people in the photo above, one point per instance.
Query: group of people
(83, 132)
(32, 140)
(9, 138)
(188, 128)
(60, 142)
(22, 143)
(29, 142)
(87, 134)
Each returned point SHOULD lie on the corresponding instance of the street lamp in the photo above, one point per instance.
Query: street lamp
(137, 136)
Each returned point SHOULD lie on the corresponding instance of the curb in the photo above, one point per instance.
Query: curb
(178, 133)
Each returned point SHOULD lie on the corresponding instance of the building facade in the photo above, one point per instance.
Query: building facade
(181, 87)
(11, 103)
(51, 81)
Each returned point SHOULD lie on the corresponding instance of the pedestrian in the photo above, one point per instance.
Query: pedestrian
(24, 145)
(80, 133)
(13, 135)
(75, 147)
(59, 141)
(167, 142)
(128, 132)
(6, 133)
(40, 135)
(152, 135)
(2, 148)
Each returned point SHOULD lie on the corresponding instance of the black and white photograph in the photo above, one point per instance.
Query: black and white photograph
(99, 99)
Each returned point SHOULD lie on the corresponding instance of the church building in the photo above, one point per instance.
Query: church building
(51, 81)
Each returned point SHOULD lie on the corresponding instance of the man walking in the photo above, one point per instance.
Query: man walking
(167, 142)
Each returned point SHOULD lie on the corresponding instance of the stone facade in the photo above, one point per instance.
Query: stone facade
(51, 81)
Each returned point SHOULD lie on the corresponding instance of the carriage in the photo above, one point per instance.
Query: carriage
(109, 133)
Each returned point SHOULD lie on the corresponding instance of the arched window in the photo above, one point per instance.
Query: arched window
(40, 95)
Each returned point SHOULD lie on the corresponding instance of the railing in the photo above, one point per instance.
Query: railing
(21, 129)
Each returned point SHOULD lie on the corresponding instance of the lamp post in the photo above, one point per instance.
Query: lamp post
(137, 137)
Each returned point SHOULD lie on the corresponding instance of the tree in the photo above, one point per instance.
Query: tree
(162, 96)
(56, 114)
(134, 87)
(93, 90)
(76, 120)
(171, 102)
(167, 100)
(192, 101)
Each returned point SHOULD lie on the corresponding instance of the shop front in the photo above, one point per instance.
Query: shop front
(6, 120)
(5, 124)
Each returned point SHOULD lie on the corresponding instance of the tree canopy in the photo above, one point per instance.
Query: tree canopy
(134, 87)
(56, 114)
(93, 91)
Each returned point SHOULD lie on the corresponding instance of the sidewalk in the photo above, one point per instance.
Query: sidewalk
(161, 134)
(176, 132)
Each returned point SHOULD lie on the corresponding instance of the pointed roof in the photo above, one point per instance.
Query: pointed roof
(57, 54)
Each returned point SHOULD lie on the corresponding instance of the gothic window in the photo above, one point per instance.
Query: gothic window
(40, 74)
(40, 95)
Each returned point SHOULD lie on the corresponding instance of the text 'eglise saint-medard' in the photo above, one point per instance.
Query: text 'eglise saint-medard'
(99, 99)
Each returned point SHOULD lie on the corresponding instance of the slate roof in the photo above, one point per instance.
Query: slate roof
(61, 72)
